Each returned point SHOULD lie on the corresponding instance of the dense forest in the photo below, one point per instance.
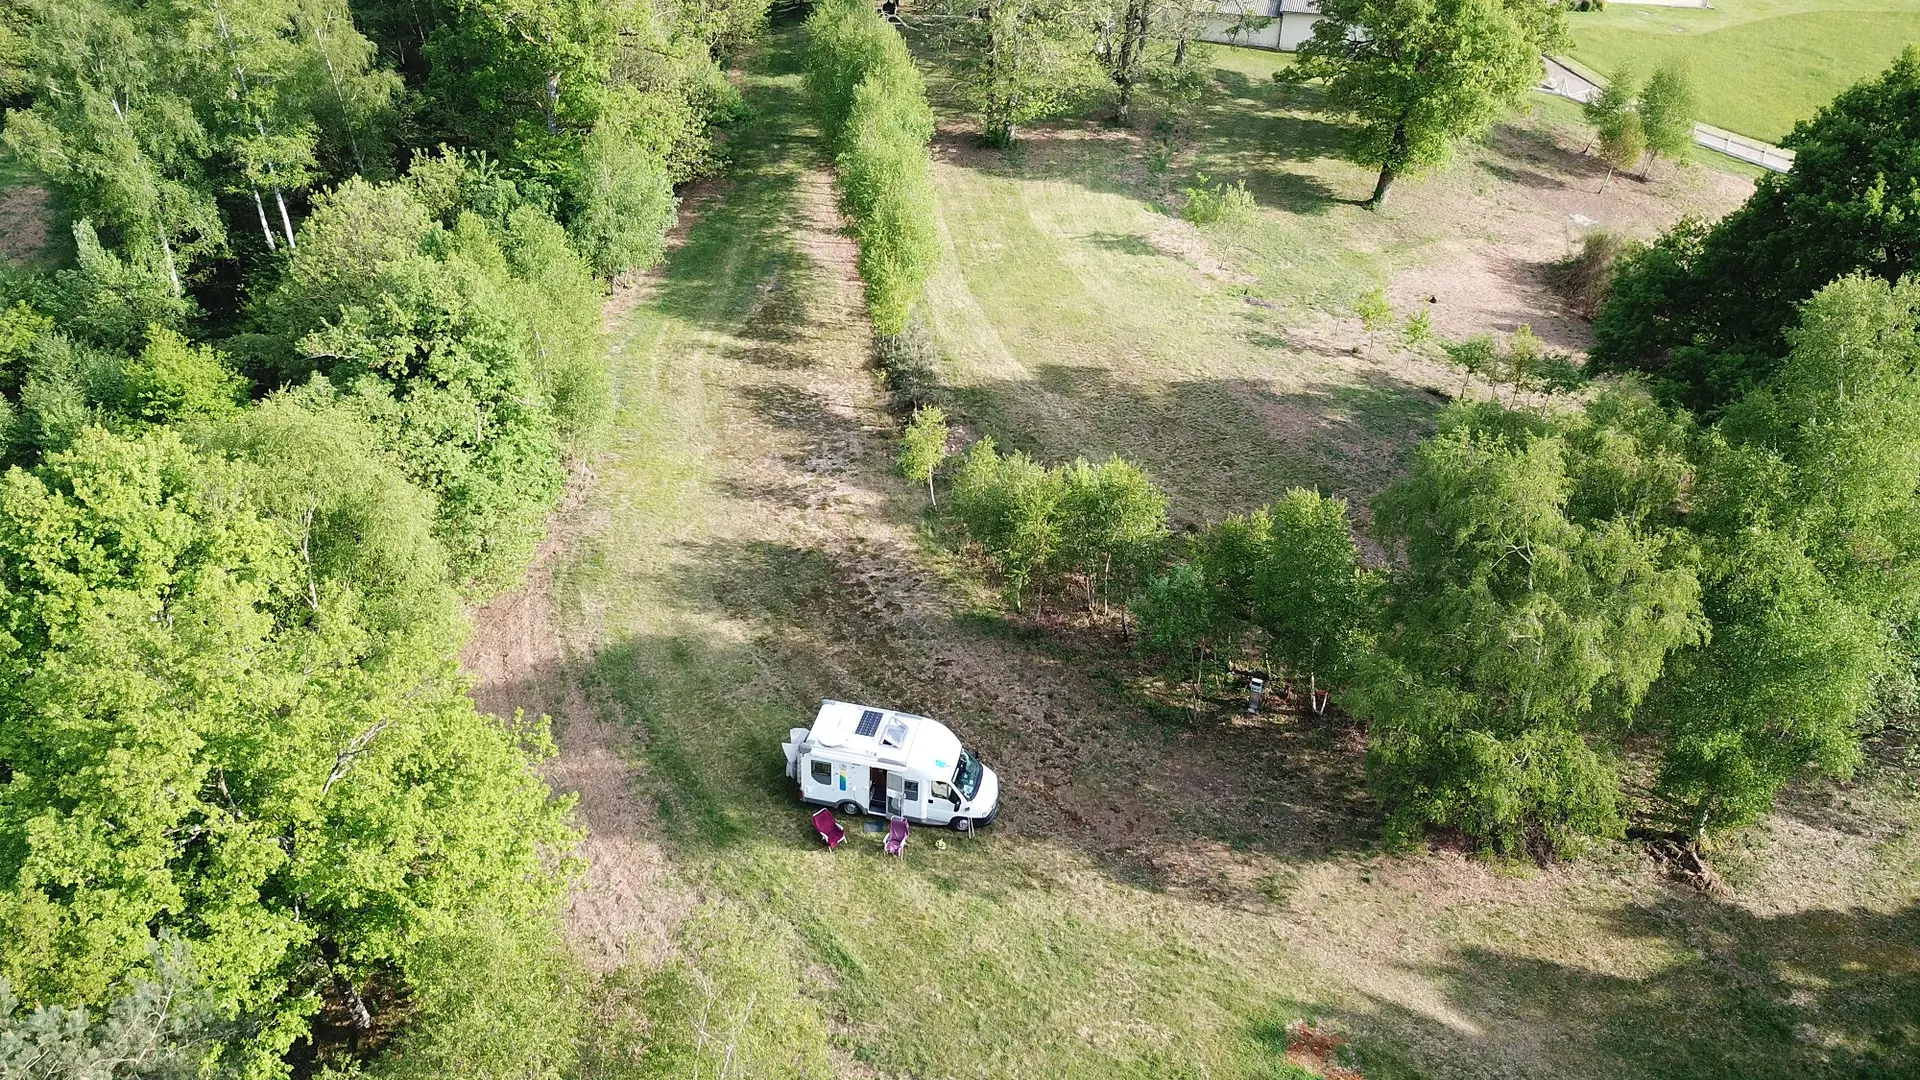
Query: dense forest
(329, 343)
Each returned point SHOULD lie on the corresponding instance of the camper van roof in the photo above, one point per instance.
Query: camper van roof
(868, 733)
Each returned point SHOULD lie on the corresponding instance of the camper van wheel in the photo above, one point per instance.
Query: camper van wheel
(961, 824)
(850, 808)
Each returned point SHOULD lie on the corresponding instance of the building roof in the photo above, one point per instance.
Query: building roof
(864, 733)
(1266, 8)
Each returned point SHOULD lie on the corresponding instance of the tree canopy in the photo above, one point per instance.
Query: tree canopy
(1421, 75)
(1706, 311)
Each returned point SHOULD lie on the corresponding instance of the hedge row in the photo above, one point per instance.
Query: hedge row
(873, 107)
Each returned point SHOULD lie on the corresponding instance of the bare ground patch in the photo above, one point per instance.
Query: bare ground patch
(1520, 204)
(26, 215)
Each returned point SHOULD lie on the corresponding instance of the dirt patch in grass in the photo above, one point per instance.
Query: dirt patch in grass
(520, 657)
(26, 214)
(1522, 203)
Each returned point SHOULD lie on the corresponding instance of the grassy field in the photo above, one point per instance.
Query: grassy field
(1082, 316)
(1759, 65)
(1163, 894)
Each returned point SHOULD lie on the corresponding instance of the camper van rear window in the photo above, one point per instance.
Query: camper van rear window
(869, 723)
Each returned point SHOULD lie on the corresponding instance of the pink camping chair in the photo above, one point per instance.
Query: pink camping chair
(896, 836)
(828, 828)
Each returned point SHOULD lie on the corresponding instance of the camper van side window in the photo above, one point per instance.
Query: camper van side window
(911, 792)
(822, 771)
(941, 790)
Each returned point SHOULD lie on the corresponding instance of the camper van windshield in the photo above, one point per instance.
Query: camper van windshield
(966, 775)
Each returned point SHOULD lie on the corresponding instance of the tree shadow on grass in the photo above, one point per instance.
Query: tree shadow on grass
(1123, 243)
(1744, 996)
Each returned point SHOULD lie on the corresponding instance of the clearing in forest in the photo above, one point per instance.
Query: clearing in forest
(1162, 895)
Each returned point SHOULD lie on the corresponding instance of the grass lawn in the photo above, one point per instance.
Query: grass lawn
(1163, 893)
(1759, 65)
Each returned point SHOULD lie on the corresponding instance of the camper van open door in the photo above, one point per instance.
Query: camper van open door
(860, 759)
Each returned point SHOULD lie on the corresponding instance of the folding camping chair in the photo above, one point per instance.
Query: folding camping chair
(897, 836)
(829, 829)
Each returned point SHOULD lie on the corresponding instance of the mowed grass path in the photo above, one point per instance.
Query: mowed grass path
(1759, 66)
(1161, 895)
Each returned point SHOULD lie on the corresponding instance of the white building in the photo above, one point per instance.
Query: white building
(1262, 24)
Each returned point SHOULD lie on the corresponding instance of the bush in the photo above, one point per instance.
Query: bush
(924, 446)
(873, 105)
(1585, 278)
(911, 361)
(1036, 525)
(1220, 203)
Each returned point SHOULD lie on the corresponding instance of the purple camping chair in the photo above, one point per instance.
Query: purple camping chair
(896, 836)
(828, 828)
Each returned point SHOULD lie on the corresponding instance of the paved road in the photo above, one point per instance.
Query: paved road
(1565, 82)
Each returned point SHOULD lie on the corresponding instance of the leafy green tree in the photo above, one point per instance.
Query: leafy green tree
(120, 139)
(1421, 75)
(436, 336)
(1375, 313)
(1807, 502)
(206, 735)
(1510, 635)
(1667, 109)
(923, 446)
(1126, 31)
(624, 202)
(1705, 311)
(173, 379)
(1780, 686)
(1113, 523)
(1614, 101)
(1622, 144)
(1178, 615)
(102, 300)
(1022, 60)
(1310, 593)
(1011, 506)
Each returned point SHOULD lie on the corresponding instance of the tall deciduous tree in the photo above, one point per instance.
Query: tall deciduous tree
(1511, 635)
(1022, 60)
(212, 727)
(1809, 502)
(111, 125)
(1420, 75)
(1667, 109)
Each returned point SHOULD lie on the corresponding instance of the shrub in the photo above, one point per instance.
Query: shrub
(873, 105)
(1217, 204)
(1585, 278)
(911, 361)
(924, 446)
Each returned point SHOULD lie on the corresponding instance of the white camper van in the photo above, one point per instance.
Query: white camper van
(863, 760)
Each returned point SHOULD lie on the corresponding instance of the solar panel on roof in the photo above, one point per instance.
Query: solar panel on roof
(869, 723)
